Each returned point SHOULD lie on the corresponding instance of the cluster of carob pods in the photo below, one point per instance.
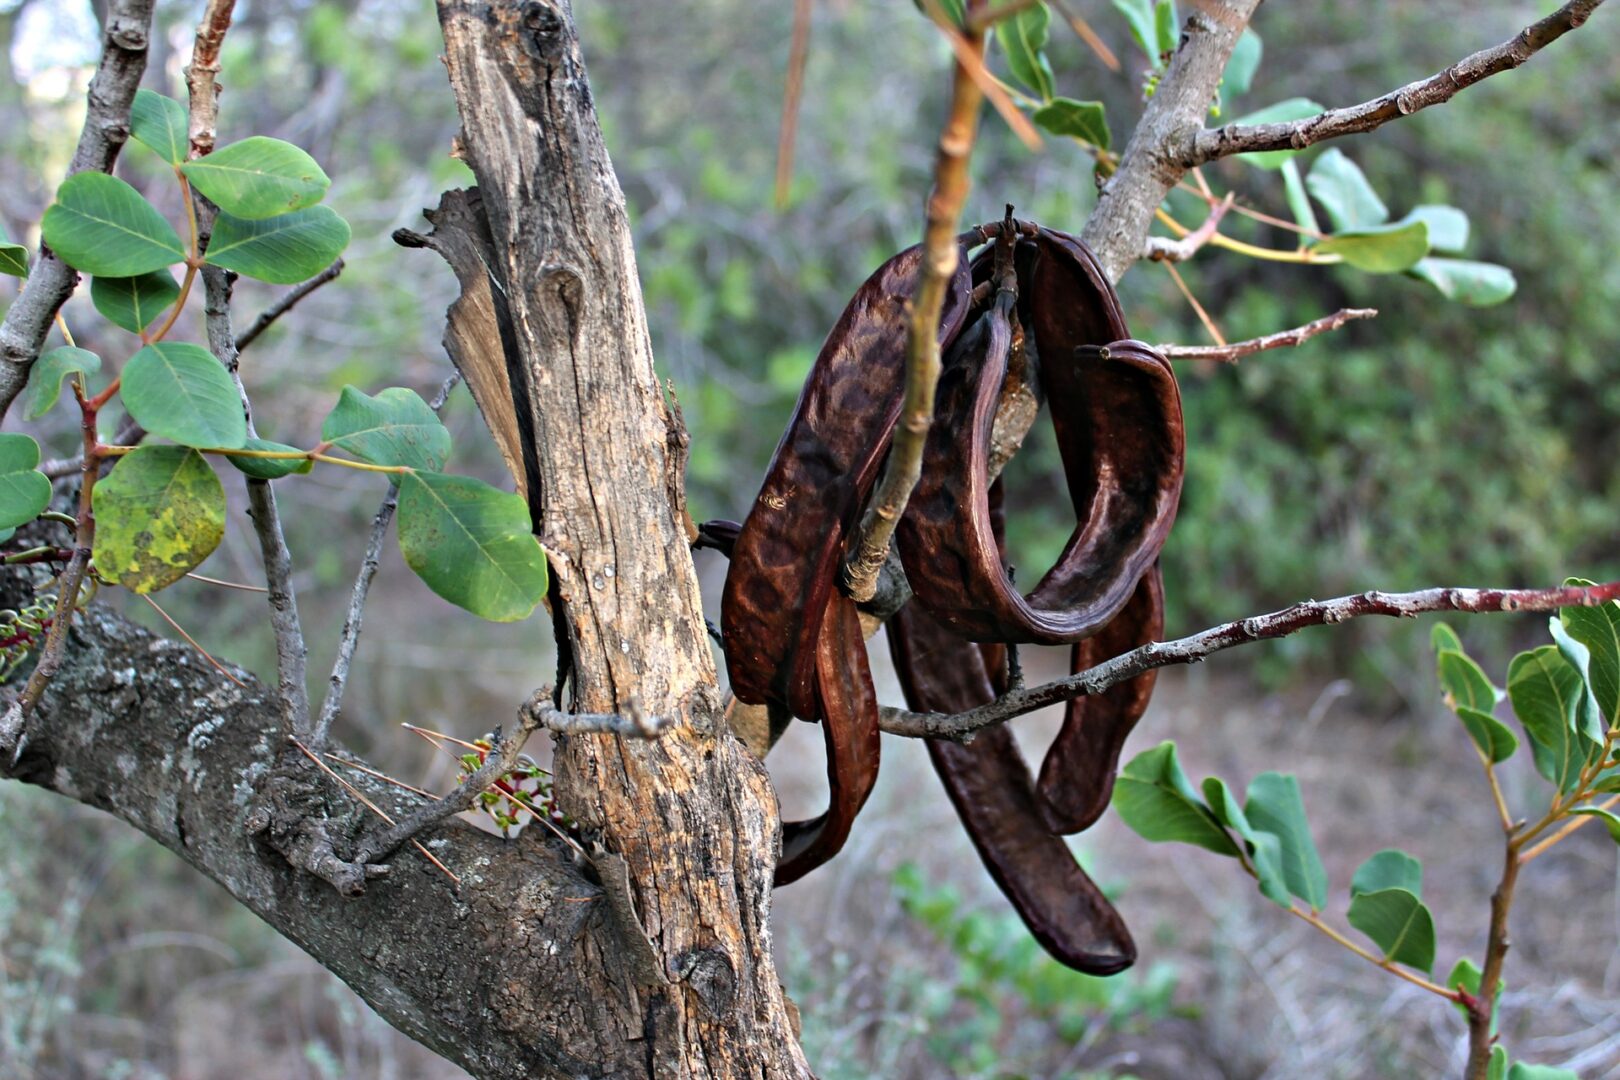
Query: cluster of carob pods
(1033, 312)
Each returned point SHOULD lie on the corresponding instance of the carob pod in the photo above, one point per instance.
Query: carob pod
(791, 640)
(1116, 411)
(990, 786)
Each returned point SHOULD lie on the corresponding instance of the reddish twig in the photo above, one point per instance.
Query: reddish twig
(798, 56)
(1231, 354)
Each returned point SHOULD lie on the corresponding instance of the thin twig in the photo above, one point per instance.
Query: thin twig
(228, 584)
(632, 722)
(1085, 33)
(106, 127)
(1231, 354)
(201, 75)
(219, 667)
(276, 310)
(353, 621)
(939, 258)
(798, 56)
(1207, 145)
(1575, 822)
(1192, 649)
(360, 796)
(1198, 309)
(1373, 958)
(501, 759)
(1163, 249)
(971, 58)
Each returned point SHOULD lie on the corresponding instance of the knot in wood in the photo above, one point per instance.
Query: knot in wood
(710, 975)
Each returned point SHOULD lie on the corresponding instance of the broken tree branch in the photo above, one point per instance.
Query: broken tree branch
(1191, 650)
(1208, 145)
(1237, 350)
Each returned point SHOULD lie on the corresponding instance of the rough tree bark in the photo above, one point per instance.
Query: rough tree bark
(542, 963)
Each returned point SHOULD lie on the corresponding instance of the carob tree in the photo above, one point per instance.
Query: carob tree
(633, 940)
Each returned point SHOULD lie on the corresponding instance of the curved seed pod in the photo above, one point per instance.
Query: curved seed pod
(1116, 410)
(786, 558)
(1077, 775)
(991, 789)
(848, 710)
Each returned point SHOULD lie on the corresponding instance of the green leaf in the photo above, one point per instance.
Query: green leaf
(1342, 188)
(1398, 923)
(1598, 628)
(1609, 819)
(1493, 737)
(1154, 798)
(1023, 39)
(1265, 849)
(1275, 806)
(1545, 691)
(1521, 1071)
(135, 303)
(471, 544)
(258, 177)
(1465, 682)
(1496, 1068)
(1448, 226)
(179, 391)
(1298, 202)
(282, 250)
(952, 8)
(1281, 113)
(394, 428)
(270, 468)
(159, 123)
(159, 514)
(1476, 284)
(1383, 249)
(1139, 15)
(45, 377)
(1588, 717)
(102, 226)
(1240, 69)
(13, 260)
(24, 490)
(1389, 869)
(1444, 639)
(1079, 119)
(1168, 26)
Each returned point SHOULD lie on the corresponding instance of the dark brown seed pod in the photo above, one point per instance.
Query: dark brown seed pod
(993, 793)
(1077, 775)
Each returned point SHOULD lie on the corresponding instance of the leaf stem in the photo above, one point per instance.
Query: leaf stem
(1449, 993)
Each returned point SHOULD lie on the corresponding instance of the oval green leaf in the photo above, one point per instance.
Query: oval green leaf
(1342, 188)
(1384, 249)
(1588, 716)
(1389, 869)
(258, 177)
(159, 123)
(1167, 24)
(1139, 17)
(1492, 736)
(1023, 38)
(135, 303)
(1274, 805)
(1523, 1071)
(179, 391)
(1465, 682)
(159, 514)
(45, 377)
(24, 490)
(1076, 119)
(1154, 798)
(1476, 284)
(1546, 691)
(102, 226)
(1398, 923)
(13, 260)
(1598, 628)
(394, 428)
(1448, 226)
(270, 468)
(282, 250)
(1240, 69)
(1265, 850)
(1610, 821)
(471, 544)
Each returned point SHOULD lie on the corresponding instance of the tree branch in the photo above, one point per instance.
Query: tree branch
(1237, 350)
(276, 310)
(352, 622)
(1207, 145)
(106, 128)
(940, 253)
(1164, 249)
(1191, 650)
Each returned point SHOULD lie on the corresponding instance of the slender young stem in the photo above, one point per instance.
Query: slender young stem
(1575, 822)
(939, 258)
(1502, 812)
(1483, 1005)
(1373, 958)
(193, 260)
(1237, 350)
